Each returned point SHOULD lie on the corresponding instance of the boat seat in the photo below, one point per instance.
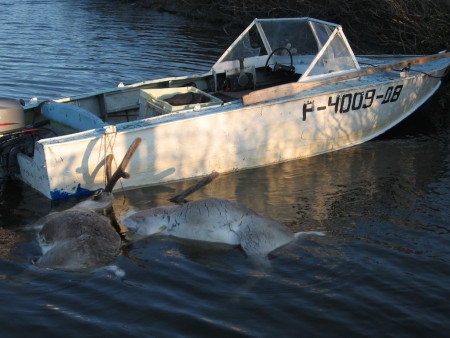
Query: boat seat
(72, 116)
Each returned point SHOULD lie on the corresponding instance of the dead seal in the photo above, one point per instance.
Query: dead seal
(213, 220)
(81, 238)
(77, 239)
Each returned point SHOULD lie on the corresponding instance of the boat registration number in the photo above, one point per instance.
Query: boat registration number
(354, 101)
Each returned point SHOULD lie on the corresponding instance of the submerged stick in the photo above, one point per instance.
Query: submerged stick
(120, 171)
(180, 198)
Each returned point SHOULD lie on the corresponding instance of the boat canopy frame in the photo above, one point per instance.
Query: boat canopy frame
(319, 48)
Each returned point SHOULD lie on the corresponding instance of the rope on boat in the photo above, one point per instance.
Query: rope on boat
(409, 69)
(108, 145)
(425, 73)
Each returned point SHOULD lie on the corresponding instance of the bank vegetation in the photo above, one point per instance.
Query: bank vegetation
(382, 26)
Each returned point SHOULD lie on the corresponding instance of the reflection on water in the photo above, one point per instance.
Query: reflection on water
(394, 173)
(381, 269)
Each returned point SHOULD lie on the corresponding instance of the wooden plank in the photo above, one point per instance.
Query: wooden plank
(289, 89)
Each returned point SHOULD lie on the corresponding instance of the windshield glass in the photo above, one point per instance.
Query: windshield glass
(336, 57)
(294, 34)
(249, 45)
(313, 47)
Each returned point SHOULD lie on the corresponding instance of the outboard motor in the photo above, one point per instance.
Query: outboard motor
(12, 117)
(14, 137)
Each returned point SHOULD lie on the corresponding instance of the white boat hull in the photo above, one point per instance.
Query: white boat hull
(231, 137)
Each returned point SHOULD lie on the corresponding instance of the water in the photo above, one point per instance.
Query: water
(381, 270)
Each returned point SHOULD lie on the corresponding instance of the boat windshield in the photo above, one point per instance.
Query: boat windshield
(318, 48)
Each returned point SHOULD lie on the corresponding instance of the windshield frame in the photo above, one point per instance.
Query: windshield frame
(254, 57)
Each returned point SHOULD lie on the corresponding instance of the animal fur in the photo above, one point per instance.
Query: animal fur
(212, 220)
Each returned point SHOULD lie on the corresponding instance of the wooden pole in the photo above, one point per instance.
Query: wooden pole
(289, 89)
(120, 171)
(108, 165)
(180, 198)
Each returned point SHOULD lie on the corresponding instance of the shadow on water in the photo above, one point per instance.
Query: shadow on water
(430, 120)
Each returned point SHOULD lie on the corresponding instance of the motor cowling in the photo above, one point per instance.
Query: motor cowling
(12, 116)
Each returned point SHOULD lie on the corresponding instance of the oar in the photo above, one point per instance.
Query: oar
(289, 89)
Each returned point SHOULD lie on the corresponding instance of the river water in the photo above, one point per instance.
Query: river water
(383, 268)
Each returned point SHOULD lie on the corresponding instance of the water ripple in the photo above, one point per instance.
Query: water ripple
(381, 270)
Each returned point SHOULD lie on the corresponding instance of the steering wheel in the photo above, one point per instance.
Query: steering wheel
(279, 67)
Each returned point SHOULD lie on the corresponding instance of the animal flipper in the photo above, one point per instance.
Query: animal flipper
(301, 233)
(261, 235)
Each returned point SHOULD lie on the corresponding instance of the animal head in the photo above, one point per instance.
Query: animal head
(99, 201)
(148, 222)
